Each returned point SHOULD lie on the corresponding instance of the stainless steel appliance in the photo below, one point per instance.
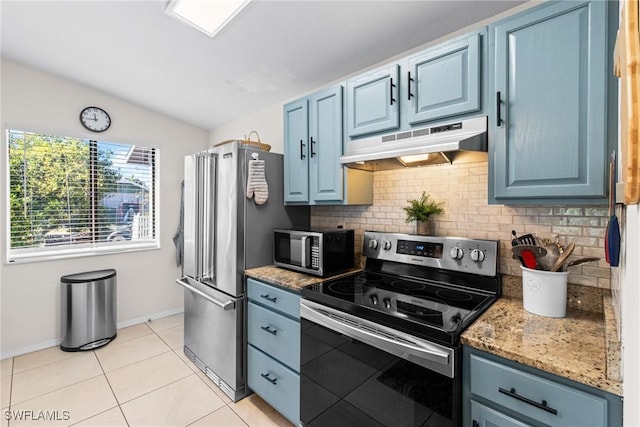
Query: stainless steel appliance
(382, 347)
(320, 252)
(434, 144)
(225, 233)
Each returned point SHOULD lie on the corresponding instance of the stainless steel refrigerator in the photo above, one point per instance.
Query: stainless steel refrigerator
(225, 233)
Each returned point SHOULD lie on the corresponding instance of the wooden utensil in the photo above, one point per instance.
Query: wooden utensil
(568, 250)
(581, 261)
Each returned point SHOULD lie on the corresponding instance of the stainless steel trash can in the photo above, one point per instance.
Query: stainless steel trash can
(88, 307)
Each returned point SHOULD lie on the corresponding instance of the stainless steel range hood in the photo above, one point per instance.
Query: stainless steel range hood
(417, 147)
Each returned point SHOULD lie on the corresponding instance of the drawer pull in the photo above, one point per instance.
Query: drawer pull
(268, 329)
(268, 378)
(543, 405)
(268, 298)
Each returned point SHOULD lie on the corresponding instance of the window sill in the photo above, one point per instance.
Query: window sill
(79, 253)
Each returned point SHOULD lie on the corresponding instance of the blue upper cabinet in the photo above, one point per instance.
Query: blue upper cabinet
(296, 151)
(444, 81)
(313, 137)
(373, 101)
(325, 145)
(552, 87)
(438, 83)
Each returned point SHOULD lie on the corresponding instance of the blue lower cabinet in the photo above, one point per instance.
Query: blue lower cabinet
(275, 334)
(275, 383)
(273, 354)
(499, 392)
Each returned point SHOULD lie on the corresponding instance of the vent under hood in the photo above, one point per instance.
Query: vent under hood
(417, 147)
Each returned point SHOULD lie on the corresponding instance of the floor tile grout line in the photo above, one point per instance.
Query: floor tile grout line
(13, 361)
(56, 389)
(112, 391)
(239, 416)
(137, 361)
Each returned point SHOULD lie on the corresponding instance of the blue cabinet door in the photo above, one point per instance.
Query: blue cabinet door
(325, 145)
(373, 101)
(548, 130)
(444, 81)
(296, 151)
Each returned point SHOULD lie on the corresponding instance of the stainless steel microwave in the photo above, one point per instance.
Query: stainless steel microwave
(317, 252)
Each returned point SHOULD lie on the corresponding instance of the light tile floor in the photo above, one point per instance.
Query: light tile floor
(142, 378)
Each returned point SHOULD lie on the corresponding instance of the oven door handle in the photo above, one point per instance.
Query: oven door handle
(413, 349)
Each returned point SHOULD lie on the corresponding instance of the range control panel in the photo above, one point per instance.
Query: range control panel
(449, 253)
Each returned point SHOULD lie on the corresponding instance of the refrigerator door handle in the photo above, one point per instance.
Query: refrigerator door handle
(206, 199)
(226, 306)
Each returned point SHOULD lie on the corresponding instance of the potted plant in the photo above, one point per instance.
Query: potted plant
(419, 210)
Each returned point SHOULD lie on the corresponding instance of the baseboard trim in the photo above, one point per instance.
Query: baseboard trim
(119, 325)
(144, 319)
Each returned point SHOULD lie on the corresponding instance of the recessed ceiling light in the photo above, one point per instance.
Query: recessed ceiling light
(208, 16)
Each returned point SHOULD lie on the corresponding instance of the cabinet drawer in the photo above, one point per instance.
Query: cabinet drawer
(276, 384)
(274, 334)
(535, 397)
(278, 299)
(483, 416)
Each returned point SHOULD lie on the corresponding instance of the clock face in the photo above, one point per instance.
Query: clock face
(95, 119)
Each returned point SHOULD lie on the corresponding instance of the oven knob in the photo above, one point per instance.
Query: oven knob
(477, 255)
(386, 245)
(374, 299)
(373, 243)
(387, 303)
(457, 253)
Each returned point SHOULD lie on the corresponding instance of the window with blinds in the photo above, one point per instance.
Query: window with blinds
(70, 196)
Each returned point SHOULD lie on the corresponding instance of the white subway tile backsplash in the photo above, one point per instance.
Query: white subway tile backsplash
(463, 190)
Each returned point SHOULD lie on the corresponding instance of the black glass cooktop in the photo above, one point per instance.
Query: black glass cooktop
(424, 307)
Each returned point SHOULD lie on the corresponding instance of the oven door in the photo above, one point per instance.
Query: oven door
(358, 373)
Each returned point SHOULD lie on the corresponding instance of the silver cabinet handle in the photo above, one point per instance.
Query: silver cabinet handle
(226, 306)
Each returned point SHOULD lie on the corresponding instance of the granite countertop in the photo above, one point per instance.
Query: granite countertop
(581, 346)
(289, 279)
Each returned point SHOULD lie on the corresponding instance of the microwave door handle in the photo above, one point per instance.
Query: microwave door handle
(303, 250)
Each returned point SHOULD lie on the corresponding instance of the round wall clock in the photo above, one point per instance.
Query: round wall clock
(95, 119)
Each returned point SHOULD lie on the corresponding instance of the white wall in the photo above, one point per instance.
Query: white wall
(631, 316)
(32, 100)
(268, 123)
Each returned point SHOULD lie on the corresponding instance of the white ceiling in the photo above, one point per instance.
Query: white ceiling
(271, 52)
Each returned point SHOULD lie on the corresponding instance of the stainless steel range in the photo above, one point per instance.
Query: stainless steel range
(382, 347)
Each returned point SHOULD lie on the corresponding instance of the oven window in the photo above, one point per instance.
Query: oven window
(347, 382)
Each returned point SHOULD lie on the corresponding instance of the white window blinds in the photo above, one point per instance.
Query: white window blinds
(68, 195)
